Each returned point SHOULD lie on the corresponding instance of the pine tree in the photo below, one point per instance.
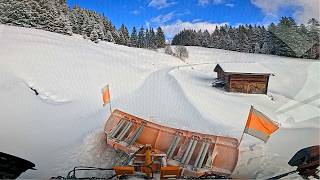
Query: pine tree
(147, 39)
(141, 38)
(134, 38)
(199, 38)
(109, 30)
(127, 36)
(205, 36)
(62, 20)
(94, 36)
(160, 38)
(232, 39)
(243, 44)
(152, 39)
(271, 43)
(285, 42)
(313, 34)
(55, 16)
(253, 34)
(214, 39)
(314, 28)
(76, 20)
(123, 35)
(222, 37)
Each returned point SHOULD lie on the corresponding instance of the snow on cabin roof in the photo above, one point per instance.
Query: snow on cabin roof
(245, 68)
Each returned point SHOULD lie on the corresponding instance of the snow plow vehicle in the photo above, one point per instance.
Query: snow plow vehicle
(154, 149)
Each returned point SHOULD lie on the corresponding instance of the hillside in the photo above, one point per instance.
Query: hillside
(62, 127)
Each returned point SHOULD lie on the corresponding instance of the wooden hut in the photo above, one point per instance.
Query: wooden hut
(252, 78)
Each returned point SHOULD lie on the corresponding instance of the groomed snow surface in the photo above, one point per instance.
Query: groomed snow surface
(62, 127)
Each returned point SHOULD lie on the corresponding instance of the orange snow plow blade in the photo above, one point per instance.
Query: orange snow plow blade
(194, 154)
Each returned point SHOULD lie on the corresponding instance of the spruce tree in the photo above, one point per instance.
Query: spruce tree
(134, 38)
(285, 33)
(123, 35)
(214, 39)
(108, 30)
(147, 39)
(152, 41)
(94, 36)
(160, 38)
(141, 38)
(313, 27)
(222, 37)
(232, 39)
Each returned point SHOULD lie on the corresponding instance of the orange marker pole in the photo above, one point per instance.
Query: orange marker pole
(109, 99)
(106, 97)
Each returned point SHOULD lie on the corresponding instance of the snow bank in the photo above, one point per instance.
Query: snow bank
(68, 74)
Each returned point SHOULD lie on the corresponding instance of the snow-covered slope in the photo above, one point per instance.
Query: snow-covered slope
(68, 73)
(62, 127)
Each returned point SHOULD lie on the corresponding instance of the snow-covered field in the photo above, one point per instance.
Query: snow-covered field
(62, 127)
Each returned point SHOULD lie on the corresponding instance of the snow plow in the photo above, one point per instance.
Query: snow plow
(151, 149)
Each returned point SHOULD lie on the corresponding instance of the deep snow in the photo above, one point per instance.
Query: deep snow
(62, 127)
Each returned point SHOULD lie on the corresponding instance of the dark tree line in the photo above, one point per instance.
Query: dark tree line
(147, 38)
(56, 16)
(284, 39)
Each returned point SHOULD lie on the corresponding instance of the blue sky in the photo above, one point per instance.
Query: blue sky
(174, 15)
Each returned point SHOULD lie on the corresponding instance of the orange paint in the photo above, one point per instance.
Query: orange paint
(105, 95)
(170, 172)
(258, 122)
(123, 170)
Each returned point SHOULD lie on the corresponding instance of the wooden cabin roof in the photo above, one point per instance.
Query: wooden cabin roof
(243, 68)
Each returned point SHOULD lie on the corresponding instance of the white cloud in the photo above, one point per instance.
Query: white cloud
(203, 2)
(196, 20)
(161, 19)
(160, 4)
(303, 9)
(172, 29)
(207, 2)
(230, 5)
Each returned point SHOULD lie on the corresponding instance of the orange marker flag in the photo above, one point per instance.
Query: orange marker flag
(105, 95)
(259, 125)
